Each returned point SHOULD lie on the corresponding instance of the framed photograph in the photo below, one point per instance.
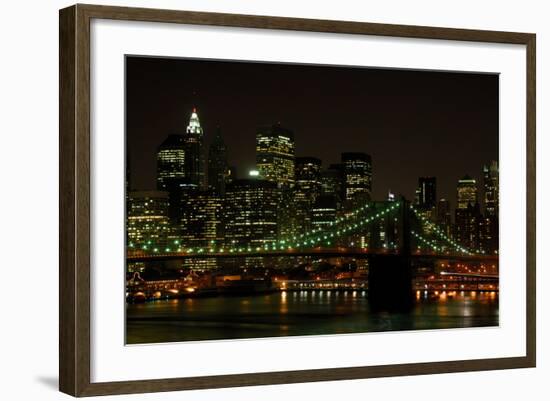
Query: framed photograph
(250, 200)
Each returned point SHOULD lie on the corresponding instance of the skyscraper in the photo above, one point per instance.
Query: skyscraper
(426, 199)
(357, 169)
(427, 194)
(250, 212)
(217, 164)
(443, 216)
(323, 212)
(417, 196)
(275, 154)
(490, 235)
(147, 219)
(194, 153)
(468, 225)
(307, 175)
(307, 187)
(202, 219)
(490, 186)
(332, 182)
(466, 192)
(171, 163)
(467, 214)
(171, 176)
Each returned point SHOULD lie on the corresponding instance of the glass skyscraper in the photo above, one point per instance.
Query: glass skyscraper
(250, 213)
(171, 163)
(491, 199)
(307, 187)
(466, 192)
(490, 186)
(275, 154)
(468, 217)
(427, 193)
(357, 169)
(202, 219)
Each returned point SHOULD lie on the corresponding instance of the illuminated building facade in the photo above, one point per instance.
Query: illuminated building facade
(250, 212)
(275, 154)
(332, 182)
(287, 221)
(466, 192)
(147, 225)
(426, 200)
(491, 201)
(307, 187)
(323, 212)
(468, 224)
(217, 164)
(171, 176)
(194, 153)
(171, 163)
(468, 217)
(307, 177)
(202, 219)
(427, 193)
(443, 216)
(357, 169)
(490, 186)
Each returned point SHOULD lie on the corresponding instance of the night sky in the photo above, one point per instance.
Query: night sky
(412, 123)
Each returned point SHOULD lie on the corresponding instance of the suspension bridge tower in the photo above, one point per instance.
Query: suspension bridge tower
(390, 275)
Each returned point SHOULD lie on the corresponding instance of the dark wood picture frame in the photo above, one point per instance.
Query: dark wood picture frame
(74, 121)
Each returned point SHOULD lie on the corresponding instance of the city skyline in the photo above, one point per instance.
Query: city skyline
(426, 152)
(254, 172)
(305, 238)
(286, 197)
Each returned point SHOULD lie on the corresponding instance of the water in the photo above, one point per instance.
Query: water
(300, 313)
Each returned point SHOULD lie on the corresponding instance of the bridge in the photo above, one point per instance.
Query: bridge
(324, 252)
(391, 235)
(406, 231)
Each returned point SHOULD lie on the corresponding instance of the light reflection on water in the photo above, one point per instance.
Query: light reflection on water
(301, 313)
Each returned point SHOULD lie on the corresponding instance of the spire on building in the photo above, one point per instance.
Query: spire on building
(194, 126)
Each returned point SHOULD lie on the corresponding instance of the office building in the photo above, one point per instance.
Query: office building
(147, 223)
(332, 182)
(250, 213)
(218, 169)
(467, 214)
(357, 170)
(323, 212)
(466, 192)
(171, 163)
(490, 187)
(427, 193)
(444, 217)
(491, 203)
(275, 154)
(194, 153)
(202, 219)
(307, 187)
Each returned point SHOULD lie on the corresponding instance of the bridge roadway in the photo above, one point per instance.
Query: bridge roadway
(137, 256)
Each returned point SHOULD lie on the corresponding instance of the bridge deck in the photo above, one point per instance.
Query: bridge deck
(322, 252)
